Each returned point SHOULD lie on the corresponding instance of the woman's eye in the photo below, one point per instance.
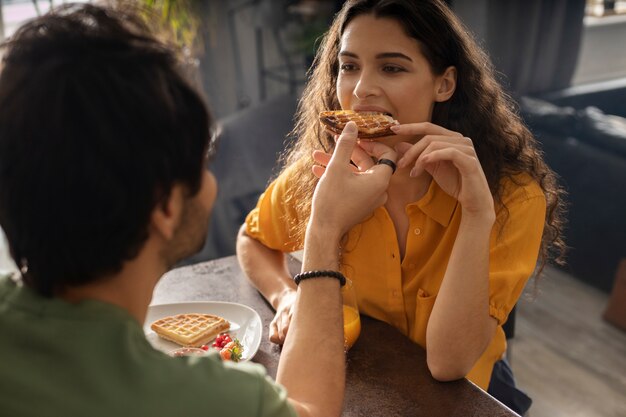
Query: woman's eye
(392, 69)
(347, 67)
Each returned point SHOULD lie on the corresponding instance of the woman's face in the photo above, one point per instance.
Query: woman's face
(382, 69)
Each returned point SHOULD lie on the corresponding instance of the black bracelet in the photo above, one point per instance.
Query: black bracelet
(318, 274)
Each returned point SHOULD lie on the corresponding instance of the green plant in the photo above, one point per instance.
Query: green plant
(178, 16)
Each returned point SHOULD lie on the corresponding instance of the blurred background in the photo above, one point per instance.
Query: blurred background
(564, 61)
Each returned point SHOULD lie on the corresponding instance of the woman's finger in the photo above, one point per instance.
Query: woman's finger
(318, 170)
(418, 167)
(401, 148)
(361, 158)
(412, 153)
(282, 330)
(436, 145)
(424, 128)
(379, 150)
(274, 332)
(321, 157)
(466, 164)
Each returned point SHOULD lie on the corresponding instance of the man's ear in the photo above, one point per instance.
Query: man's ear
(166, 216)
(446, 84)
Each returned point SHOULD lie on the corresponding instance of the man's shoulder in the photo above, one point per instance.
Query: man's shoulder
(123, 375)
(7, 282)
(225, 388)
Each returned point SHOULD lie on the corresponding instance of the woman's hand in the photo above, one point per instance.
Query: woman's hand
(280, 324)
(451, 160)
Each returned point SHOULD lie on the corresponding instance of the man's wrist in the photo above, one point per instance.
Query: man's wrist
(320, 231)
(320, 253)
(320, 274)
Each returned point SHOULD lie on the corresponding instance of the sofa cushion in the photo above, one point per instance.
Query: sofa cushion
(589, 125)
(605, 131)
(547, 117)
(596, 225)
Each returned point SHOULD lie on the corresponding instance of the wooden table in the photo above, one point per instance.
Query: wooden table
(386, 374)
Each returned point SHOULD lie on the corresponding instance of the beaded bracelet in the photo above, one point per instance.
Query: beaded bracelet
(318, 274)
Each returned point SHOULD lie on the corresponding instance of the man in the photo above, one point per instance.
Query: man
(103, 187)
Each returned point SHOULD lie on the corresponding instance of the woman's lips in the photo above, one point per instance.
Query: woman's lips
(361, 109)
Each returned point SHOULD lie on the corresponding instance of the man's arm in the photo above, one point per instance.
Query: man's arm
(312, 364)
(314, 372)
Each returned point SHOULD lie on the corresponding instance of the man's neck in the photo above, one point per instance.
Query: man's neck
(130, 289)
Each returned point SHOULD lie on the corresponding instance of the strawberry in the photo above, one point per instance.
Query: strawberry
(232, 351)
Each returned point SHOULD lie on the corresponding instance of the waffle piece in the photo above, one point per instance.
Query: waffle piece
(191, 330)
(371, 124)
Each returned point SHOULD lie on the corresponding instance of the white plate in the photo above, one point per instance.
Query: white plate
(245, 323)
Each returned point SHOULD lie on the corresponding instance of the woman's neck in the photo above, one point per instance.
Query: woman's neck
(405, 189)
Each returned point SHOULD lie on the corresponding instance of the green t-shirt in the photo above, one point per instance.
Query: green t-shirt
(92, 359)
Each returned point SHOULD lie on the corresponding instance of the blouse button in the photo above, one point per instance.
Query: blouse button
(417, 231)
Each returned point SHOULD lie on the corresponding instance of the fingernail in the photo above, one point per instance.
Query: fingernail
(401, 163)
(395, 127)
(413, 173)
(350, 128)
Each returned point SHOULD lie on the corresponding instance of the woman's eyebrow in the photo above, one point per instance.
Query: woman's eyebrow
(393, 55)
(383, 55)
(348, 53)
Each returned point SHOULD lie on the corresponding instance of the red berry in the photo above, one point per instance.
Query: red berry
(204, 347)
(225, 354)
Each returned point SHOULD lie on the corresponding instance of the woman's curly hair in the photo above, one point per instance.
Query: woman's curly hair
(479, 109)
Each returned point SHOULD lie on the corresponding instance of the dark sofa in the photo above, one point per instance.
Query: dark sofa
(587, 149)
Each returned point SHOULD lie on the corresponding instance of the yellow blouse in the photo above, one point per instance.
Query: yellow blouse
(402, 292)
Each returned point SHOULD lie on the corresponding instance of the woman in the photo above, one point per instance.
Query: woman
(447, 256)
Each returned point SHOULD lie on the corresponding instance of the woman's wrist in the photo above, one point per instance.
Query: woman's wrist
(478, 219)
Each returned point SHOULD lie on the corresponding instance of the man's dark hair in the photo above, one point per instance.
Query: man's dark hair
(97, 123)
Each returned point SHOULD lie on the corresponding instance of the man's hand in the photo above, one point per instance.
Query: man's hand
(345, 196)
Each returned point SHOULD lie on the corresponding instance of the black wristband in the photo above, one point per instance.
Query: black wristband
(319, 274)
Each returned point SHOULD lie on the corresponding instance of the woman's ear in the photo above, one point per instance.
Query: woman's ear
(446, 84)
(166, 216)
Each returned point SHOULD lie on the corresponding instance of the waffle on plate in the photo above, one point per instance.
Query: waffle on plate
(371, 124)
(191, 330)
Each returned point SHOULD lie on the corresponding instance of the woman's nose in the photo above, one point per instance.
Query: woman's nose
(365, 87)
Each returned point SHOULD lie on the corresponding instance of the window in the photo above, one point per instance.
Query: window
(13, 13)
(601, 57)
(601, 8)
